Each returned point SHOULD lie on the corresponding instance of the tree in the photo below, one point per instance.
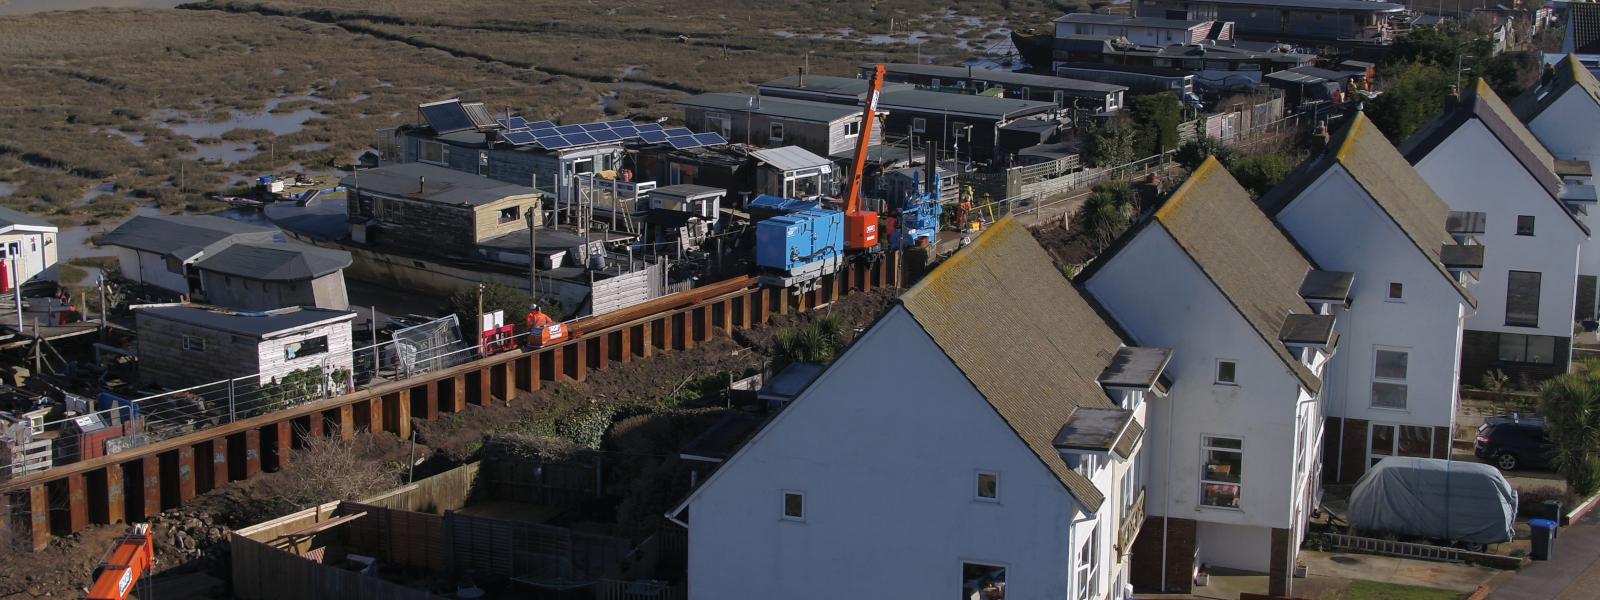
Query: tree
(1570, 405)
(1258, 173)
(1155, 118)
(1415, 95)
(1106, 214)
(1509, 73)
(1110, 145)
(1195, 151)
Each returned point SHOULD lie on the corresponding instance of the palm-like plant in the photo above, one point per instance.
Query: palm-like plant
(1105, 214)
(1570, 405)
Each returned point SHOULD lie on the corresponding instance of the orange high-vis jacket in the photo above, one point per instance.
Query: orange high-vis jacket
(538, 319)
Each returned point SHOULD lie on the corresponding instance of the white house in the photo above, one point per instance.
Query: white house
(1233, 449)
(1360, 208)
(161, 250)
(1149, 31)
(983, 435)
(1489, 168)
(1563, 111)
(27, 247)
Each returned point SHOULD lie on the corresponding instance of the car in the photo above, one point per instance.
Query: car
(1512, 442)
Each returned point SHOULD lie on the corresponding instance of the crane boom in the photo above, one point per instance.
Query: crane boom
(129, 561)
(861, 227)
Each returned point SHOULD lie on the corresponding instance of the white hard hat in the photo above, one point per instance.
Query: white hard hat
(534, 306)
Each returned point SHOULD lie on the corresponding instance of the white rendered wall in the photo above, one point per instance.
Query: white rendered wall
(1570, 128)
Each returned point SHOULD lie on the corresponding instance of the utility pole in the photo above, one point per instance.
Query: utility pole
(533, 240)
(479, 326)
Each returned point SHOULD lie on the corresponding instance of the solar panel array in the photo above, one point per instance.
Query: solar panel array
(447, 117)
(550, 136)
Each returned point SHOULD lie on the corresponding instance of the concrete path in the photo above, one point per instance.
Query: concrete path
(1573, 575)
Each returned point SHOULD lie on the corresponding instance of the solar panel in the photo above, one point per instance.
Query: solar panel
(654, 137)
(619, 123)
(626, 131)
(595, 127)
(580, 138)
(537, 125)
(683, 142)
(519, 123)
(648, 127)
(446, 117)
(519, 137)
(678, 131)
(505, 124)
(709, 139)
(605, 135)
(569, 129)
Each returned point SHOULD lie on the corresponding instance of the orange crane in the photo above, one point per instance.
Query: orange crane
(129, 561)
(861, 226)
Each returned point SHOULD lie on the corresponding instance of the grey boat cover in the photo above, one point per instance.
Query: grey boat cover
(1435, 498)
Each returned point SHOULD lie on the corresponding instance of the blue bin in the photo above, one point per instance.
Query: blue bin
(1544, 531)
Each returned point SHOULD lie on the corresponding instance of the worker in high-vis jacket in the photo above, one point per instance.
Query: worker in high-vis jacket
(541, 328)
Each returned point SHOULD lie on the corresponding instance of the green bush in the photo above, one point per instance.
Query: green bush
(1570, 405)
(820, 341)
(586, 427)
(1259, 173)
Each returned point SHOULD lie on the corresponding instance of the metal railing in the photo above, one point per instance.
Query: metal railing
(131, 423)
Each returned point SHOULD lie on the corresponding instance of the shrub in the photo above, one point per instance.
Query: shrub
(818, 341)
(1570, 405)
(1259, 173)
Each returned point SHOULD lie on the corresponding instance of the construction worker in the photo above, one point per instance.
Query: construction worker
(537, 318)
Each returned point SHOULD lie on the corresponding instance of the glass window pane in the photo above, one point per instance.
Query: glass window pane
(1220, 494)
(1222, 465)
(1391, 364)
(1382, 440)
(1226, 371)
(1222, 442)
(1416, 441)
(1522, 298)
(794, 505)
(1513, 347)
(1388, 395)
(988, 485)
(1541, 349)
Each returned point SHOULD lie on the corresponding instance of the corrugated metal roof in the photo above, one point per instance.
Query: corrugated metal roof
(790, 158)
(1023, 335)
(275, 262)
(1389, 179)
(12, 218)
(1244, 254)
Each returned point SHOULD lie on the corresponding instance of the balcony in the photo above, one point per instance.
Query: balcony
(1128, 530)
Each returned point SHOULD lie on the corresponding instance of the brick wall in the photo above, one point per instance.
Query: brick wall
(1144, 567)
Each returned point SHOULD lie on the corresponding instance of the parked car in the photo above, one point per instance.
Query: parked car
(1512, 443)
(1446, 503)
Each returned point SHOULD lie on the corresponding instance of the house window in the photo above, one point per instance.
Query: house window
(775, 132)
(1129, 492)
(1389, 378)
(1397, 291)
(1222, 471)
(1535, 349)
(981, 581)
(194, 343)
(1089, 565)
(510, 214)
(174, 265)
(718, 122)
(852, 128)
(1228, 372)
(305, 347)
(1059, 97)
(1524, 224)
(431, 152)
(919, 125)
(988, 486)
(934, 84)
(1522, 298)
(1385, 440)
(794, 505)
(960, 130)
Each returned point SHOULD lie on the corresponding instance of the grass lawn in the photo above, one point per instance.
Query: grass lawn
(1374, 590)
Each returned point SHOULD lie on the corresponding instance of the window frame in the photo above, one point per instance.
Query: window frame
(1526, 343)
(1402, 382)
(1529, 231)
(1397, 292)
(919, 124)
(783, 506)
(775, 131)
(1087, 571)
(1216, 373)
(301, 350)
(1207, 446)
(977, 491)
(1538, 296)
(422, 152)
(516, 214)
(852, 128)
(194, 343)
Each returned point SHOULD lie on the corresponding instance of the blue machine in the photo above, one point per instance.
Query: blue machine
(800, 245)
(919, 214)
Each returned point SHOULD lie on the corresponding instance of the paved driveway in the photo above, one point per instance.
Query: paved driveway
(1573, 575)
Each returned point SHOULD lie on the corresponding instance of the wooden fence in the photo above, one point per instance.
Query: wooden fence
(611, 589)
(262, 572)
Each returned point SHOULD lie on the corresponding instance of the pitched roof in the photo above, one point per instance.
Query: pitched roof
(1011, 78)
(169, 234)
(1243, 253)
(1392, 183)
(790, 158)
(1567, 74)
(1482, 104)
(275, 262)
(788, 108)
(1023, 335)
(1130, 438)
